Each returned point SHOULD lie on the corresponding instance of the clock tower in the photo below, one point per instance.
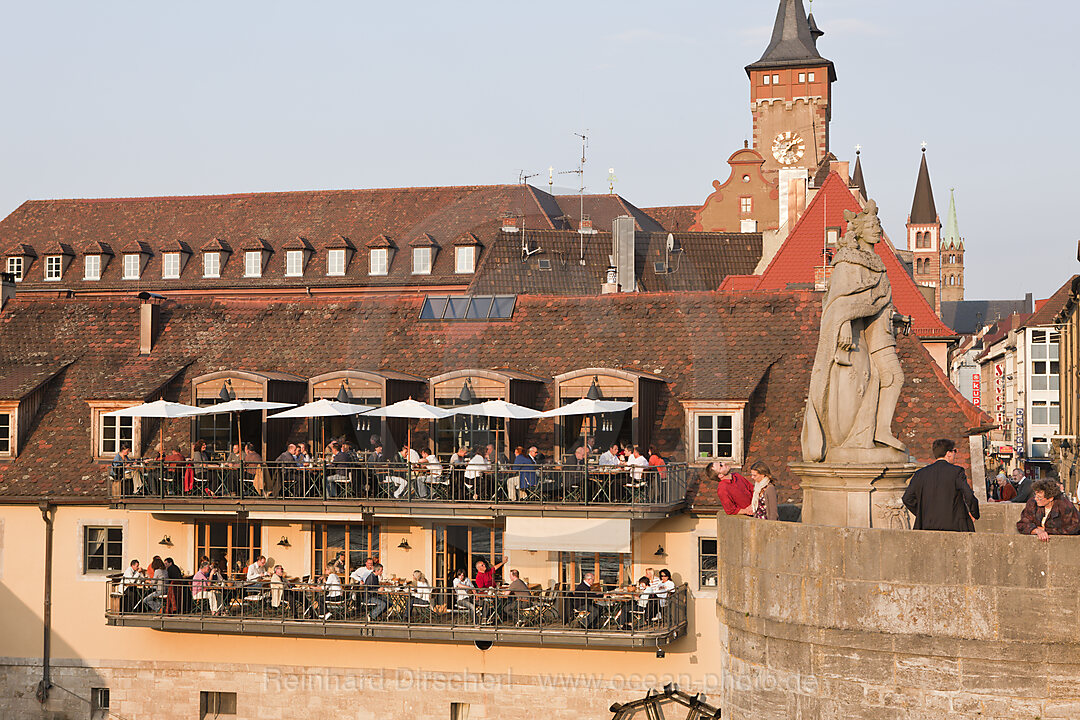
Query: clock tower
(790, 93)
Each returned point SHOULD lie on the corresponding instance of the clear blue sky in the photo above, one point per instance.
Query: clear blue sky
(137, 98)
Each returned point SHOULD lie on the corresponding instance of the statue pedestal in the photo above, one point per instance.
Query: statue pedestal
(847, 495)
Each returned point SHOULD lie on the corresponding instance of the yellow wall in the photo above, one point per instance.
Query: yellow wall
(80, 631)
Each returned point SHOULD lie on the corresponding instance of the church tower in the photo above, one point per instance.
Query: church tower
(924, 234)
(790, 96)
(952, 256)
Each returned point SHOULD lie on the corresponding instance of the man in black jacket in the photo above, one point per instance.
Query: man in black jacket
(1022, 483)
(939, 494)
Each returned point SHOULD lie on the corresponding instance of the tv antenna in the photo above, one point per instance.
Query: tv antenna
(523, 178)
(580, 172)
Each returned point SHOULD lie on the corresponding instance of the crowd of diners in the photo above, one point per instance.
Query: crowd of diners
(469, 473)
(366, 594)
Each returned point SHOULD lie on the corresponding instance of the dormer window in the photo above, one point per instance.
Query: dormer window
(294, 263)
(170, 265)
(15, 267)
(92, 267)
(421, 261)
(5, 433)
(465, 259)
(379, 261)
(253, 263)
(211, 264)
(54, 267)
(132, 266)
(335, 262)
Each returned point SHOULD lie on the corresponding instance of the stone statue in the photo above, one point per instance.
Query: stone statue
(856, 380)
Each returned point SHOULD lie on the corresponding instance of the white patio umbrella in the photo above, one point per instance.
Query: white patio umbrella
(413, 409)
(588, 406)
(500, 409)
(322, 407)
(157, 409)
(239, 406)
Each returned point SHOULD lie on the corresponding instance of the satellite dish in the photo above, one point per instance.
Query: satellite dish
(670, 242)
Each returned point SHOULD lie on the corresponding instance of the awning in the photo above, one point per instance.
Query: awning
(567, 534)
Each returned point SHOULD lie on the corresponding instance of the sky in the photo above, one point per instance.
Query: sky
(145, 99)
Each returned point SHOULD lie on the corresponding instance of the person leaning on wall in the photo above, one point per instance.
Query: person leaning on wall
(1048, 512)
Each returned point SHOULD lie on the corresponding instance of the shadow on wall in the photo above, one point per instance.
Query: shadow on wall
(73, 684)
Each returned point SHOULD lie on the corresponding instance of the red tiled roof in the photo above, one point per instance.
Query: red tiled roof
(801, 253)
(673, 218)
(706, 345)
(1046, 310)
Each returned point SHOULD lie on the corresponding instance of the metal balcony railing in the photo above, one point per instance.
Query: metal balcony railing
(618, 616)
(498, 484)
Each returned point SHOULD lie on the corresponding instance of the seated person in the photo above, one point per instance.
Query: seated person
(278, 586)
(332, 592)
(156, 598)
(257, 570)
(463, 591)
(657, 462)
(584, 601)
(375, 601)
(638, 463)
(659, 590)
(611, 458)
(518, 596)
(474, 473)
(458, 461)
(337, 479)
(420, 594)
(133, 575)
(360, 574)
(1048, 512)
(200, 588)
(431, 473)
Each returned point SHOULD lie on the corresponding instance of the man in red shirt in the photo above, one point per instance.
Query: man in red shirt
(734, 491)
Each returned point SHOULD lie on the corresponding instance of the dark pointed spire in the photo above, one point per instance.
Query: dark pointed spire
(794, 41)
(815, 31)
(923, 209)
(857, 176)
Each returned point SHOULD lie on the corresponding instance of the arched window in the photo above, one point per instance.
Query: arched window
(922, 240)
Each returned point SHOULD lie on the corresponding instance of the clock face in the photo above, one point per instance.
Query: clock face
(788, 148)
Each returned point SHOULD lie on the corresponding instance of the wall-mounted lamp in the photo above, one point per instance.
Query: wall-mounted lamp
(466, 397)
(226, 393)
(343, 393)
(283, 542)
(404, 544)
(659, 551)
(594, 390)
(166, 541)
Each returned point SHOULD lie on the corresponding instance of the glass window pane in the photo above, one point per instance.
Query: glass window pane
(1055, 382)
(705, 422)
(456, 308)
(1038, 352)
(1039, 368)
(479, 308)
(1039, 382)
(503, 307)
(1038, 336)
(1038, 416)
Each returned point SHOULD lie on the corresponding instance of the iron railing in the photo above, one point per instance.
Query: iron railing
(365, 481)
(553, 615)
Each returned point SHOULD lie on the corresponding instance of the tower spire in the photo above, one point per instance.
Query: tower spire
(857, 176)
(794, 41)
(923, 209)
(950, 239)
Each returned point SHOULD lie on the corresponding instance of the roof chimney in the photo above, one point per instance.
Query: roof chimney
(7, 288)
(149, 314)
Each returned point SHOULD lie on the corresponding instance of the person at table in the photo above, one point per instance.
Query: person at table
(159, 578)
(658, 462)
(420, 594)
(133, 575)
(120, 471)
(173, 576)
(485, 574)
(611, 457)
(584, 602)
(518, 596)
(257, 570)
(279, 587)
(458, 462)
(659, 594)
(431, 472)
(303, 455)
(474, 474)
(339, 461)
(200, 588)
(339, 562)
(332, 592)
(360, 574)
(375, 601)
(464, 591)
(638, 462)
(515, 484)
(173, 470)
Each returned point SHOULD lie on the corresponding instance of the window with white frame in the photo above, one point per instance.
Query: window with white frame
(335, 262)
(1045, 367)
(707, 577)
(294, 263)
(1045, 412)
(15, 267)
(775, 79)
(715, 436)
(421, 261)
(465, 259)
(253, 263)
(746, 204)
(211, 265)
(54, 267)
(132, 266)
(170, 265)
(810, 77)
(379, 261)
(115, 433)
(802, 77)
(766, 79)
(103, 549)
(5, 433)
(92, 267)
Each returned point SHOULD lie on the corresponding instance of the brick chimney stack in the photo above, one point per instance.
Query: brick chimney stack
(149, 317)
(7, 289)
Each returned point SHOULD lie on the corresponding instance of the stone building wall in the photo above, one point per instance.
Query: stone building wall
(821, 623)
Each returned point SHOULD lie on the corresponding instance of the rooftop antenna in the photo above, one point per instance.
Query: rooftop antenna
(580, 172)
(551, 180)
(523, 178)
(611, 179)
